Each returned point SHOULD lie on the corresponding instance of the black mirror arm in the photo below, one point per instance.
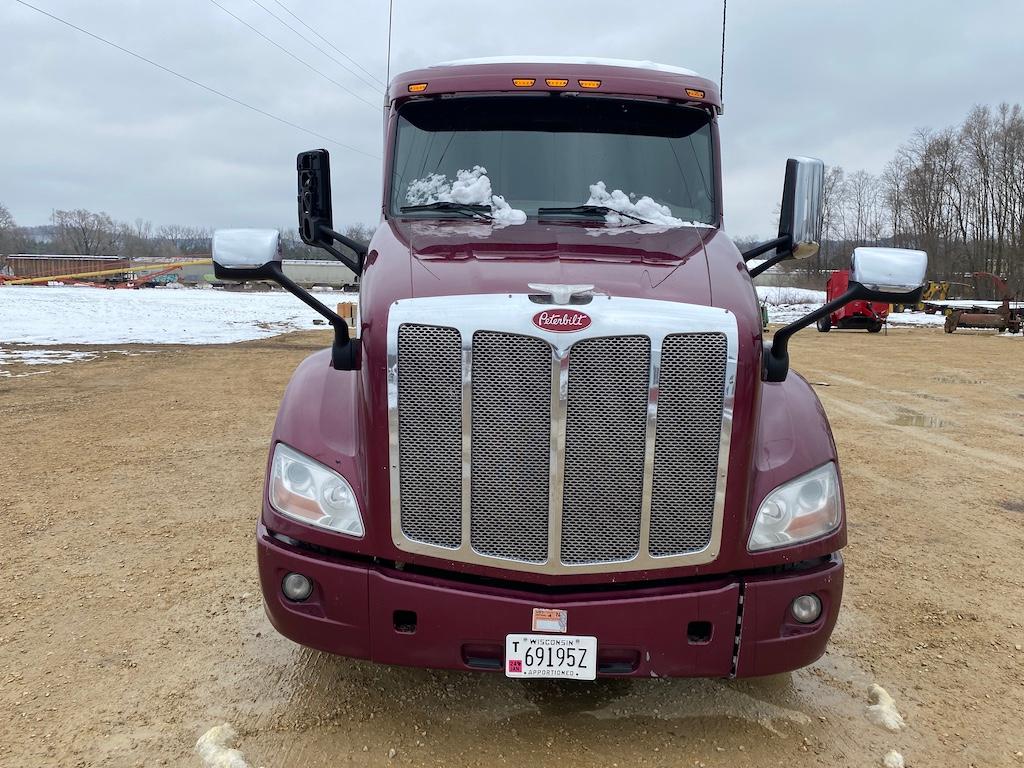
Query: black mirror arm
(784, 246)
(325, 241)
(776, 352)
(343, 351)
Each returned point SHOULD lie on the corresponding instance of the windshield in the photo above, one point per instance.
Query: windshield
(548, 151)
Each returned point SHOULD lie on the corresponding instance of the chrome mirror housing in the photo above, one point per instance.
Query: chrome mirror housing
(246, 249)
(895, 271)
(803, 205)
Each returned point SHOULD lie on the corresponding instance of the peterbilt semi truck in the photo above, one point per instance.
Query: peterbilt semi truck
(557, 443)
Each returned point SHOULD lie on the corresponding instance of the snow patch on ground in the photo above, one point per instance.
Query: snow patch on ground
(43, 356)
(893, 759)
(68, 315)
(882, 710)
(216, 748)
(472, 187)
(785, 295)
(645, 208)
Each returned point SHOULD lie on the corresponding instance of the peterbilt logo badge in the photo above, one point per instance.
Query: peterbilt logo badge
(561, 320)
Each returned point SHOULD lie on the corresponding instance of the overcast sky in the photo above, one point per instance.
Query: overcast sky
(86, 126)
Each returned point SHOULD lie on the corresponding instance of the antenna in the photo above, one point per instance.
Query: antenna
(390, 15)
(721, 76)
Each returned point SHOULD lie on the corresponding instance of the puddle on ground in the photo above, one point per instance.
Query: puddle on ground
(905, 417)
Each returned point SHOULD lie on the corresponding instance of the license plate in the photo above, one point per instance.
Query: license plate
(572, 656)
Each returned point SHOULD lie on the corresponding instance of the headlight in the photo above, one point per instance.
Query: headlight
(802, 509)
(306, 490)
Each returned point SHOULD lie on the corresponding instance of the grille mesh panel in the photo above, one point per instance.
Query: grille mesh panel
(606, 428)
(430, 425)
(690, 393)
(511, 438)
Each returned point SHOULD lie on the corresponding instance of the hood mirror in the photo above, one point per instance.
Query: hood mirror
(248, 249)
(894, 275)
(892, 272)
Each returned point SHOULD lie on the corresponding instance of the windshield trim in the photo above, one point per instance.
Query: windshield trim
(395, 114)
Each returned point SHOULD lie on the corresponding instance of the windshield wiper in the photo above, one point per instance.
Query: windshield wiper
(588, 211)
(463, 209)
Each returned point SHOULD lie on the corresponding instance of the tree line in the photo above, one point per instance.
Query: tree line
(83, 232)
(957, 193)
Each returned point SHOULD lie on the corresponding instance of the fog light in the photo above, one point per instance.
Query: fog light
(297, 587)
(806, 609)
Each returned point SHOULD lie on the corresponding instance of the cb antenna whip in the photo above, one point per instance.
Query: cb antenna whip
(390, 15)
(721, 76)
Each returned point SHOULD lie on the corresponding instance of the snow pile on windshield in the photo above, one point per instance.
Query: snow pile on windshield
(471, 187)
(645, 208)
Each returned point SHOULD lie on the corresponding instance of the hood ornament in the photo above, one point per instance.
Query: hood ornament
(562, 294)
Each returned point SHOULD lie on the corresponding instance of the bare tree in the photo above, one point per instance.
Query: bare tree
(81, 231)
(11, 239)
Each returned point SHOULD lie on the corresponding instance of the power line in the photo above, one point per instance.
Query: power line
(310, 42)
(311, 29)
(188, 79)
(303, 62)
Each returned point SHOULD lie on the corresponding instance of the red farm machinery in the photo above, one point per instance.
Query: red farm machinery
(857, 315)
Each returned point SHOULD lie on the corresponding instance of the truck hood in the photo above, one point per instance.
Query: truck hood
(463, 257)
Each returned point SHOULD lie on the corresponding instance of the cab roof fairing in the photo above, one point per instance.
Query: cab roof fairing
(497, 77)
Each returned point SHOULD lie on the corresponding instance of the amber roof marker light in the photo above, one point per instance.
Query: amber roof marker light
(556, 82)
(695, 93)
(417, 87)
(589, 83)
(523, 82)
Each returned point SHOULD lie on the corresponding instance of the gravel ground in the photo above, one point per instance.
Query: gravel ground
(132, 621)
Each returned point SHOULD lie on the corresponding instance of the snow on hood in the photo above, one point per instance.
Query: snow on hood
(471, 187)
(645, 208)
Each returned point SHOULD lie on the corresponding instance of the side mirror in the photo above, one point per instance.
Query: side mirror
(803, 196)
(893, 275)
(313, 169)
(246, 254)
(316, 219)
(801, 217)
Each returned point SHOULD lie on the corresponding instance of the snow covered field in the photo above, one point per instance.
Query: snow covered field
(67, 315)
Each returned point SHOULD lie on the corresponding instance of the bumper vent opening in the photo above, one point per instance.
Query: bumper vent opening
(698, 632)
(404, 622)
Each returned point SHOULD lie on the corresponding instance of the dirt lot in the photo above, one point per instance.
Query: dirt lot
(131, 622)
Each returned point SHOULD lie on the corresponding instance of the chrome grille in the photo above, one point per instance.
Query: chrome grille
(430, 423)
(692, 382)
(510, 439)
(605, 431)
(575, 452)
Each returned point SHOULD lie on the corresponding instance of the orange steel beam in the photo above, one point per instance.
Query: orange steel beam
(102, 272)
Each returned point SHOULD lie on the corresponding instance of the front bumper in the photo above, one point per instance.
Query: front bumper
(716, 627)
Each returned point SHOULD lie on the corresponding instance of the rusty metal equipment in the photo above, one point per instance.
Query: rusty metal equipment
(1002, 317)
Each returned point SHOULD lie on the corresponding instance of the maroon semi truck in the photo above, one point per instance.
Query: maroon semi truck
(558, 444)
